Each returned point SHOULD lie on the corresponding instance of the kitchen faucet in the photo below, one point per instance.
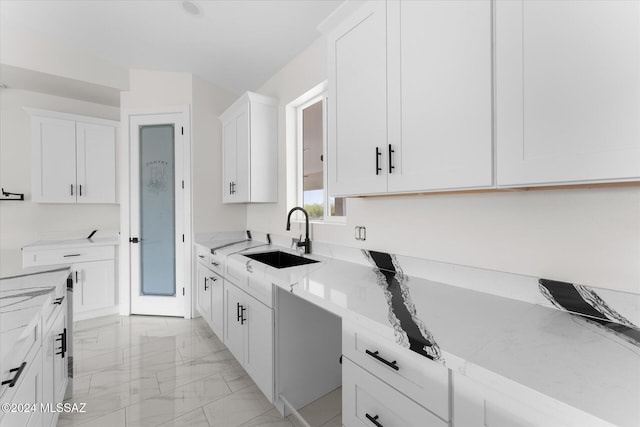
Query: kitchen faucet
(307, 242)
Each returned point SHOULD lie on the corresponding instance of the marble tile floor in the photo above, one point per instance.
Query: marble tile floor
(134, 371)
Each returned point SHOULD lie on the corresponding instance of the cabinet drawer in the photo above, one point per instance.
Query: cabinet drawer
(203, 255)
(21, 351)
(57, 304)
(422, 380)
(367, 401)
(31, 258)
(216, 263)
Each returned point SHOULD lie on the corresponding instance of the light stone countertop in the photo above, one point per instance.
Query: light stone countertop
(563, 356)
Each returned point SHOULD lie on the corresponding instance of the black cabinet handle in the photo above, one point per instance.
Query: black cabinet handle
(374, 420)
(70, 255)
(238, 312)
(233, 187)
(215, 264)
(72, 189)
(80, 190)
(63, 343)
(205, 283)
(213, 279)
(391, 151)
(375, 355)
(201, 256)
(378, 154)
(58, 300)
(12, 382)
(229, 187)
(76, 277)
(242, 310)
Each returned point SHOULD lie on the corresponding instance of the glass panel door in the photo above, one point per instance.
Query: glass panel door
(157, 213)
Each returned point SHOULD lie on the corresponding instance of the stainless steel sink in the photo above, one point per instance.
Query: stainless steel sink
(279, 259)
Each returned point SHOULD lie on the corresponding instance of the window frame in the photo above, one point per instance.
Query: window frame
(311, 99)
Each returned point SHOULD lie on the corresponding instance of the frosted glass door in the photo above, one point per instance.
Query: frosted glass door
(157, 214)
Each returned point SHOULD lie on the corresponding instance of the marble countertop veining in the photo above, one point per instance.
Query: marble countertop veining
(560, 355)
(22, 298)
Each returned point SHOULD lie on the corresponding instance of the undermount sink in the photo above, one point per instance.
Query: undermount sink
(279, 259)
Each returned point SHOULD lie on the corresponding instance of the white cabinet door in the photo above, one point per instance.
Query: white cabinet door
(29, 390)
(216, 288)
(235, 143)
(233, 328)
(54, 363)
(95, 284)
(258, 345)
(357, 135)
(54, 160)
(96, 163)
(440, 95)
(203, 292)
(568, 91)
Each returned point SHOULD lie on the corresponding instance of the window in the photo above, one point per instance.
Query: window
(312, 165)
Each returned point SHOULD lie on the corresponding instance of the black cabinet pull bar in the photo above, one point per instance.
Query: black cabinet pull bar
(375, 355)
(378, 154)
(58, 300)
(391, 151)
(70, 255)
(374, 420)
(12, 382)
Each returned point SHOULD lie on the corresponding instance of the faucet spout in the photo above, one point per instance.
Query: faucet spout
(307, 243)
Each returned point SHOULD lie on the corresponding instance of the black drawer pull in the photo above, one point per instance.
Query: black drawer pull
(63, 343)
(213, 279)
(242, 310)
(392, 365)
(205, 283)
(201, 256)
(391, 151)
(67, 256)
(238, 312)
(374, 420)
(215, 264)
(378, 154)
(58, 300)
(12, 382)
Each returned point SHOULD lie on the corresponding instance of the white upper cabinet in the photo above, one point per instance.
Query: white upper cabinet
(410, 97)
(250, 150)
(357, 133)
(96, 159)
(73, 158)
(568, 91)
(440, 90)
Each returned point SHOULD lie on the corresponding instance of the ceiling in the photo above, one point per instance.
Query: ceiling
(235, 44)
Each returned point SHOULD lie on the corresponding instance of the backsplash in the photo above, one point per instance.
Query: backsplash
(607, 306)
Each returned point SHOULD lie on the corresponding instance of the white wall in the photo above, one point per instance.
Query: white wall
(50, 56)
(209, 214)
(587, 236)
(24, 222)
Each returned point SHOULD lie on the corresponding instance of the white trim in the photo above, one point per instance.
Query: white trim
(295, 163)
(125, 222)
(35, 112)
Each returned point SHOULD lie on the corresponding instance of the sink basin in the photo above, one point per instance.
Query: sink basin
(279, 259)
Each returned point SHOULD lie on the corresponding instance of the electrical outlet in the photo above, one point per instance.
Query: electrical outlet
(360, 232)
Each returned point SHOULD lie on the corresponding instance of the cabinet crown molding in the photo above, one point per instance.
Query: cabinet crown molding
(35, 112)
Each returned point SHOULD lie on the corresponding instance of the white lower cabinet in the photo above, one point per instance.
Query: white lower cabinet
(249, 334)
(28, 390)
(209, 298)
(54, 365)
(381, 378)
(368, 401)
(94, 285)
(93, 272)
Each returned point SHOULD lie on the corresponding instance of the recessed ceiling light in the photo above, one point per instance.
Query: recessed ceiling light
(191, 7)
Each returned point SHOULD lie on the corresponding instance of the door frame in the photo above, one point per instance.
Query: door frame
(124, 288)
